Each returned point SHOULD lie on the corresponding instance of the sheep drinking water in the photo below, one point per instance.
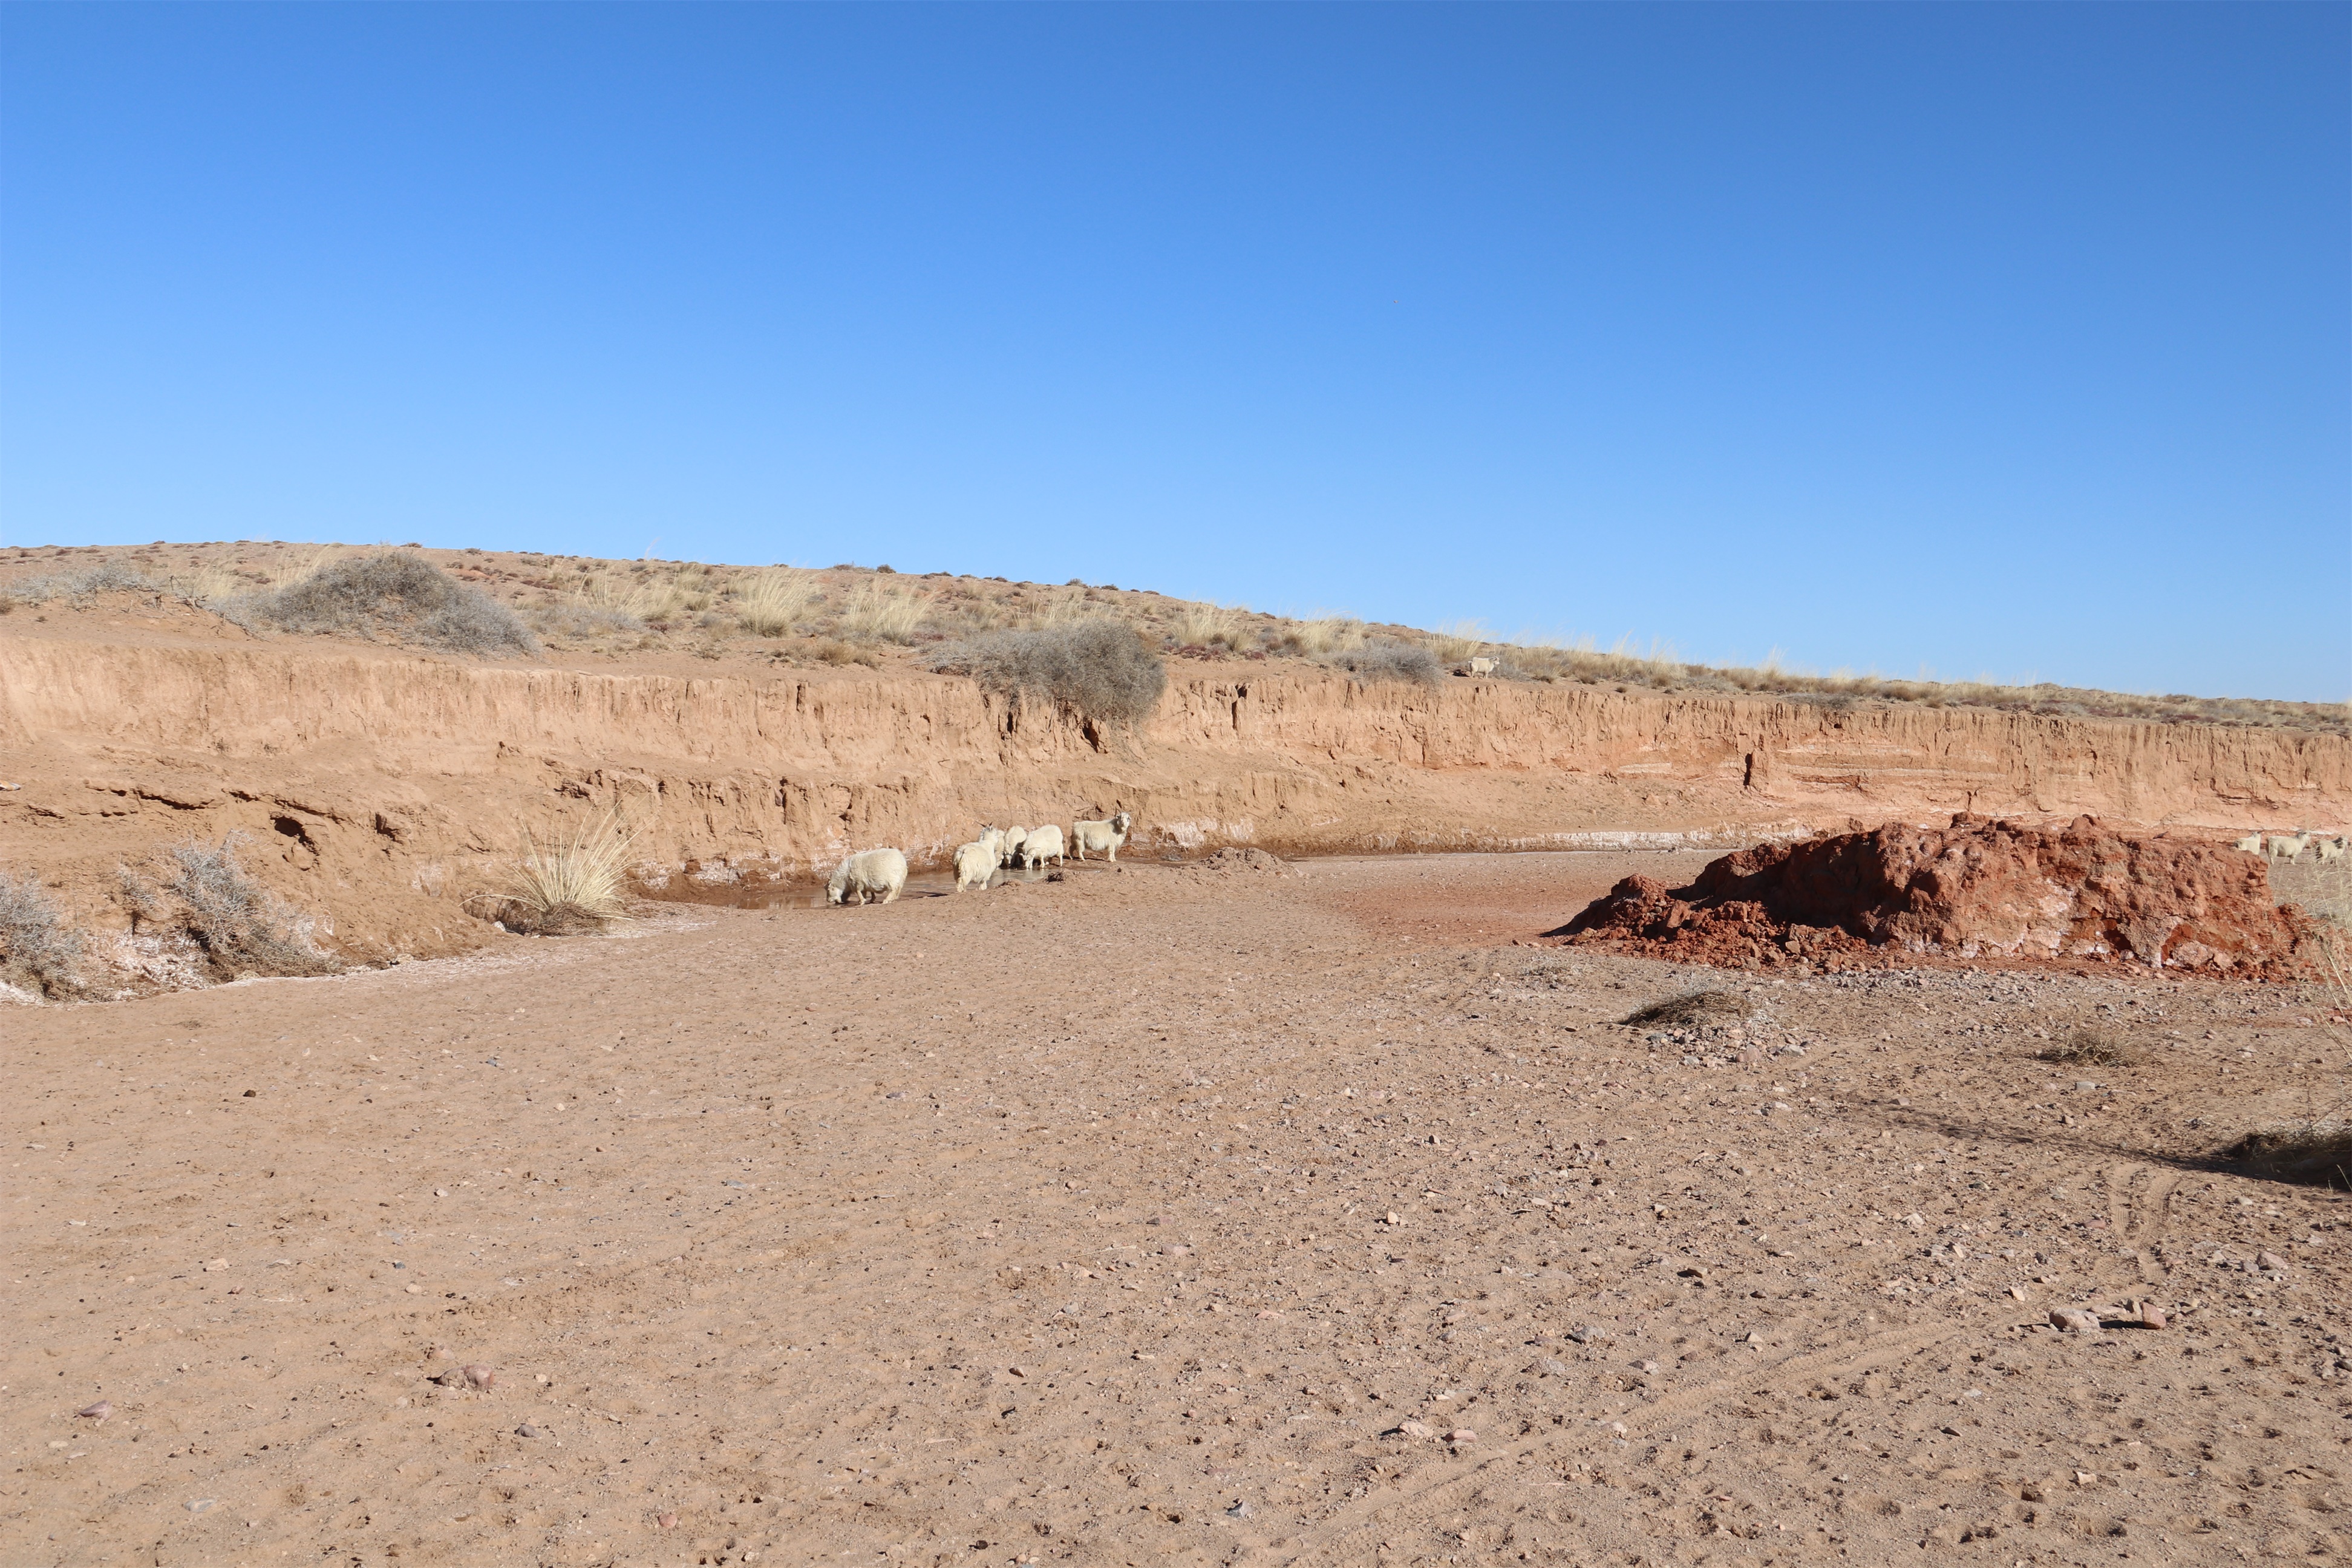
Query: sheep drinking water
(974, 865)
(876, 875)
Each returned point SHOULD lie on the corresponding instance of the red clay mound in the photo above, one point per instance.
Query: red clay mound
(1980, 888)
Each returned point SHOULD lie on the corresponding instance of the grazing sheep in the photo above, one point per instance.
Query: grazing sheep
(1042, 844)
(974, 864)
(1102, 837)
(1010, 853)
(2333, 849)
(2251, 844)
(877, 874)
(1483, 666)
(2286, 846)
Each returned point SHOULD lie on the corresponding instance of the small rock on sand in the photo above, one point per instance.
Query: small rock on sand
(481, 1376)
(97, 1412)
(1416, 1429)
(2075, 1320)
(2151, 1316)
(527, 1430)
(1461, 1435)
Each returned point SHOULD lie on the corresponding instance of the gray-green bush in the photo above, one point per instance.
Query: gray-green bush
(1392, 661)
(241, 926)
(1099, 669)
(398, 596)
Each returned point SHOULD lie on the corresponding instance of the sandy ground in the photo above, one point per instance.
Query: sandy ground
(1162, 1216)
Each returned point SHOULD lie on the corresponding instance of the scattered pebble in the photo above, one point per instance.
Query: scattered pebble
(2075, 1320)
(527, 1430)
(2271, 1261)
(216, 1265)
(668, 1520)
(481, 1376)
(1416, 1429)
(1587, 1333)
(97, 1412)
(1239, 1510)
(202, 1503)
(2151, 1316)
(1461, 1435)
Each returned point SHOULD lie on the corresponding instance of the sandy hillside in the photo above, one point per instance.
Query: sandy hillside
(1164, 1214)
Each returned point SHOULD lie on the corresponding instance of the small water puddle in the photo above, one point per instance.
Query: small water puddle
(806, 893)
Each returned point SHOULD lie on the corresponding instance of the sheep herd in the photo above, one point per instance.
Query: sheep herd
(2290, 846)
(879, 875)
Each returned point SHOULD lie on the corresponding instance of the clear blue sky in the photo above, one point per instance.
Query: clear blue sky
(2006, 339)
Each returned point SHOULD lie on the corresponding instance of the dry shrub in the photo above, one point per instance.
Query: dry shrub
(2322, 888)
(105, 577)
(584, 622)
(1393, 661)
(1691, 1010)
(832, 650)
(768, 603)
(2091, 1045)
(397, 595)
(37, 947)
(573, 884)
(241, 926)
(2315, 1150)
(1098, 669)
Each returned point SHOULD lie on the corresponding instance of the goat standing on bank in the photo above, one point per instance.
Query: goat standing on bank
(1103, 837)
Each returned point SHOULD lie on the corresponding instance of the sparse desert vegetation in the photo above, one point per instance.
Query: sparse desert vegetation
(1099, 671)
(39, 953)
(201, 893)
(575, 882)
(848, 615)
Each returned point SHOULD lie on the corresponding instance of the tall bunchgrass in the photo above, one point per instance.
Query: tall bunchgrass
(575, 882)
(1207, 626)
(770, 603)
(878, 614)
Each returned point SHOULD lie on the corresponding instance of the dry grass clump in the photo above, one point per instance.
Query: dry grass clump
(1323, 636)
(241, 926)
(1691, 1010)
(1099, 669)
(37, 949)
(572, 884)
(1207, 626)
(878, 614)
(2091, 1045)
(397, 595)
(769, 602)
(1392, 661)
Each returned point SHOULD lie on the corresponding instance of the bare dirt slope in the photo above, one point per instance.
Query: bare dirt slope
(380, 786)
(1162, 1216)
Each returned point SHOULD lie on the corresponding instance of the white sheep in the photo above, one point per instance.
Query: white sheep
(1483, 666)
(1102, 837)
(2286, 846)
(995, 838)
(1042, 844)
(879, 875)
(2251, 844)
(974, 865)
(2333, 849)
(1009, 854)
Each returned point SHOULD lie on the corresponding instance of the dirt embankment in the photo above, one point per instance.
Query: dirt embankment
(381, 786)
(1979, 890)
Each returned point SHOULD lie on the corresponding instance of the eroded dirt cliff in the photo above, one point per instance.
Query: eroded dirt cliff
(379, 787)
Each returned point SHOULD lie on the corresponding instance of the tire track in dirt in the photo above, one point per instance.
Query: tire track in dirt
(1360, 1540)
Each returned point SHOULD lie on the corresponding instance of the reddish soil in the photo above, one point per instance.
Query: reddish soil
(1980, 889)
(1165, 1216)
